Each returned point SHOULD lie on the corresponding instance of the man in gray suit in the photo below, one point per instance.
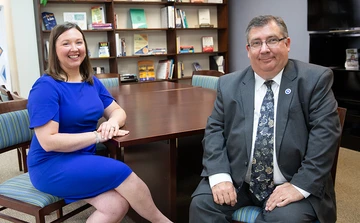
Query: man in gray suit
(306, 130)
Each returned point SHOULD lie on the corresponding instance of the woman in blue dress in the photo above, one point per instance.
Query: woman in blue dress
(64, 106)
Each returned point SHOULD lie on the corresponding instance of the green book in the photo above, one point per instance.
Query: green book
(138, 19)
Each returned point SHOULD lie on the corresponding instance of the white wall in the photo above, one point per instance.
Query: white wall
(24, 62)
(294, 13)
(7, 44)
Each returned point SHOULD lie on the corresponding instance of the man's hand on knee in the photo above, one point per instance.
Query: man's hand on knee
(282, 196)
(224, 193)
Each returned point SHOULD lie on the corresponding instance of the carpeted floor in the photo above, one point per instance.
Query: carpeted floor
(347, 190)
(346, 186)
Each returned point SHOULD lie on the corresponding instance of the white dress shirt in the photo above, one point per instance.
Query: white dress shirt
(260, 91)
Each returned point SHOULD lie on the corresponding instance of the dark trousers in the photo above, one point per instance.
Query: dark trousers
(204, 209)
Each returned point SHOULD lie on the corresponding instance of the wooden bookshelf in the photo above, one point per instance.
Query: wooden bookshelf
(158, 37)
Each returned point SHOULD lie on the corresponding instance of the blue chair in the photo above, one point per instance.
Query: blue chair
(109, 80)
(206, 78)
(18, 193)
(21, 135)
(248, 214)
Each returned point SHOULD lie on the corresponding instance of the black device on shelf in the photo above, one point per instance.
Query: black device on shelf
(333, 15)
(128, 78)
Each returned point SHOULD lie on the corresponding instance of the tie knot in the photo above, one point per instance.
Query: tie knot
(268, 83)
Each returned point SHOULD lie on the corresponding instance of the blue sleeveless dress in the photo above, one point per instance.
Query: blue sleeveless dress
(77, 107)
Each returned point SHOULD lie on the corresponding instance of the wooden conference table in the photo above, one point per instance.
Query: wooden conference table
(157, 114)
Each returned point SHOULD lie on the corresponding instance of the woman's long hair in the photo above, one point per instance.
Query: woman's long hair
(54, 69)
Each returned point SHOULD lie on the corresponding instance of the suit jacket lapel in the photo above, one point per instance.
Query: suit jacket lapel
(286, 92)
(247, 98)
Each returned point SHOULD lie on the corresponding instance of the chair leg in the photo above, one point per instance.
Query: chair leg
(59, 213)
(19, 158)
(24, 159)
(39, 219)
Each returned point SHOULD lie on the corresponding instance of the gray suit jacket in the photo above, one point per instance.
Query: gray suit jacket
(307, 130)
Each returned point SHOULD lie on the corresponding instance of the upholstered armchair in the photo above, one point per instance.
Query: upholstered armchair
(248, 214)
(109, 80)
(206, 78)
(14, 131)
(18, 193)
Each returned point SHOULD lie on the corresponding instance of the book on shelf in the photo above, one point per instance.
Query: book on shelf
(196, 66)
(352, 59)
(157, 51)
(180, 69)
(165, 69)
(104, 50)
(162, 70)
(171, 68)
(141, 44)
(207, 44)
(123, 47)
(187, 49)
(146, 70)
(118, 45)
(99, 70)
(215, 1)
(138, 18)
(204, 16)
(178, 44)
(178, 20)
(101, 26)
(167, 17)
(48, 20)
(217, 63)
(78, 18)
(184, 20)
(98, 14)
(116, 19)
(181, 14)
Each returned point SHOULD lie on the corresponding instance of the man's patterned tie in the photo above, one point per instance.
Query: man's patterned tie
(262, 183)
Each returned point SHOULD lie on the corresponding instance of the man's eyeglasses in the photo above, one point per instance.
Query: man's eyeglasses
(271, 43)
